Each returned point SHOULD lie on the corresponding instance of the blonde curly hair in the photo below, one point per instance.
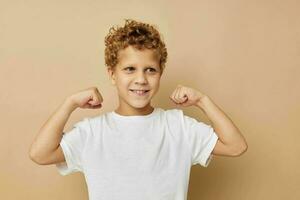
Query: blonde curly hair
(137, 34)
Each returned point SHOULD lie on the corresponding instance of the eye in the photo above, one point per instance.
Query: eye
(152, 69)
(149, 69)
(129, 69)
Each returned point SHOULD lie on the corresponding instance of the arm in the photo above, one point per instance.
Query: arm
(48, 139)
(231, 141)
(45, 148)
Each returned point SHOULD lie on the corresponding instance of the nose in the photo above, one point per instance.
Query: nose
(141, 78)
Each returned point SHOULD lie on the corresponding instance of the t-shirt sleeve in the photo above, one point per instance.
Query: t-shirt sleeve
(73, 144)
(201, 140)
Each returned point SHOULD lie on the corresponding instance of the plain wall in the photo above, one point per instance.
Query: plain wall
(243, 54)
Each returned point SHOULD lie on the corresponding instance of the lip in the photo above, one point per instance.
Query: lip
(144, 94)
(138, 89)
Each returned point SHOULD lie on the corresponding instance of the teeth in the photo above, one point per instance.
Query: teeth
(139, 91)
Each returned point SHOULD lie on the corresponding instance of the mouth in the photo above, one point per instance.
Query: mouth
(140, 92)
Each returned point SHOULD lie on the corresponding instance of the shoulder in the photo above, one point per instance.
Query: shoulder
(173, 111)
(90, 121)
(97, 119)
(178, 116)
(173, 115)
(82, 123)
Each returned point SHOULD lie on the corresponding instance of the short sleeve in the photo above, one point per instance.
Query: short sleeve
(201, 139)
(72, 144)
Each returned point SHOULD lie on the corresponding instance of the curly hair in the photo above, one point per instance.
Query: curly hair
(137, 34)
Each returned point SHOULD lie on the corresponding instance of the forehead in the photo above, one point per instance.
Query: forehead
(131, 55)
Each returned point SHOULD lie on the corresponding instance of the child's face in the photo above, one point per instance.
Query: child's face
(136, 70)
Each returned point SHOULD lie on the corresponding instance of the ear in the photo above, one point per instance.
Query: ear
(111, 74)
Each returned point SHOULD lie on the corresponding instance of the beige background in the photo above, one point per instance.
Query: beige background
(243, 54)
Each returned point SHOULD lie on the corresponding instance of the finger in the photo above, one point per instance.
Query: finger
(99, 95)
(90, 106)
(96, 106)
(180, 95)
(177, 97)
(174, 95)
(184, 96)
(95, 100)
(173, 100)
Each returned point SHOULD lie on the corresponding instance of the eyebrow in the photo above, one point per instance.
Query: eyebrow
(151, 66)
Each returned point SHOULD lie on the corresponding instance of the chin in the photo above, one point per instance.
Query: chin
(136, 105)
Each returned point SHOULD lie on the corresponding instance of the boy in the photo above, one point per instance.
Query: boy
(137, 151)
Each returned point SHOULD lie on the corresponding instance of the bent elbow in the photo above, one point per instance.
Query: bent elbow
(35, 159)
(241, 150)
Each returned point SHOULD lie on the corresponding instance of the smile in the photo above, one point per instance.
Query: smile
(140, 92)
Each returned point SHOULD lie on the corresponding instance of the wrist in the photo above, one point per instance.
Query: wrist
(203, 102)
(70, 104)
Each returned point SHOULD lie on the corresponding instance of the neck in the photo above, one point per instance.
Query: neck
(134, 111)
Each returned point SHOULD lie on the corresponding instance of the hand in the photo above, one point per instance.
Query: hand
(87, 98)
(185, 96)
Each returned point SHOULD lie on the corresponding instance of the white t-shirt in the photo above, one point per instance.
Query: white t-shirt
(145, 157)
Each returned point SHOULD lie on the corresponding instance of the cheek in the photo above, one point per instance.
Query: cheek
(123, 82)
(155, 81)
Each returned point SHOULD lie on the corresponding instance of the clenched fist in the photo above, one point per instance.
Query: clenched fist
(87, 98)
(186, 96)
